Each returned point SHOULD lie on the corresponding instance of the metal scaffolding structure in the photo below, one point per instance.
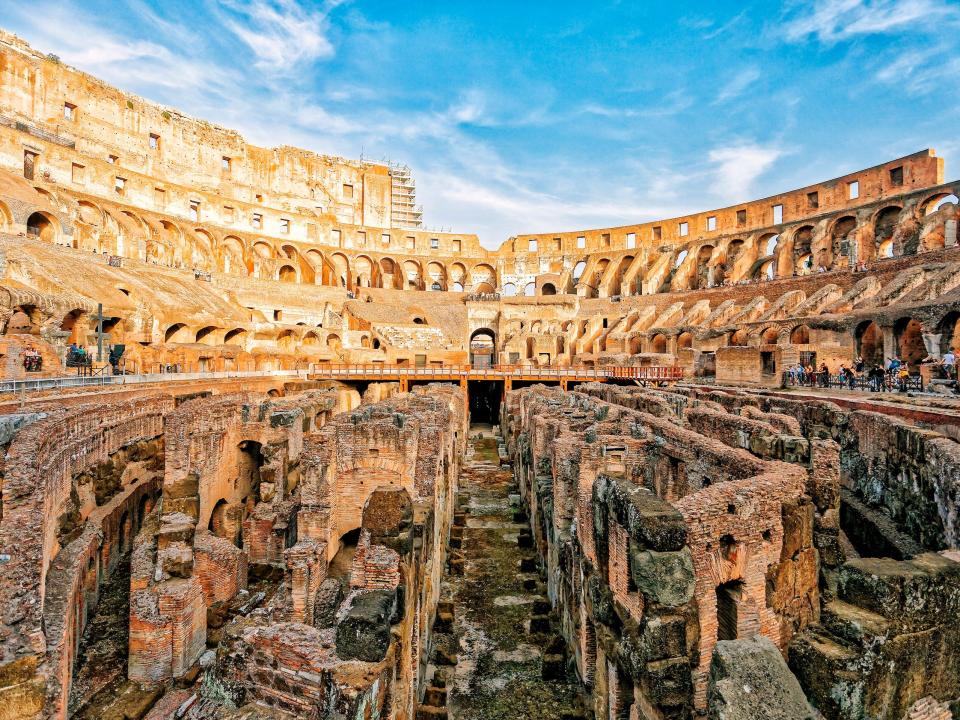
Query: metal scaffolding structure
(404, 211)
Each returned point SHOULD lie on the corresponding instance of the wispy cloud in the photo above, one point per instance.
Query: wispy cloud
(282, 34)
(738, 84)
(737, 168)
(832, 21)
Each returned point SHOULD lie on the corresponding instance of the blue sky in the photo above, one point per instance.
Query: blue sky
(544, 115)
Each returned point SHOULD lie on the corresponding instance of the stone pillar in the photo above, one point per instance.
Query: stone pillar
(307, 566)
(889, 342)
(950, 233)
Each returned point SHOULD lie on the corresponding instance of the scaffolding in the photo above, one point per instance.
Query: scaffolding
(404, 211)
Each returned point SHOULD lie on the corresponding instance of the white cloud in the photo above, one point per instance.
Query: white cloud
(738, 84)
(737, 167)
(281, 33)
(835, 20)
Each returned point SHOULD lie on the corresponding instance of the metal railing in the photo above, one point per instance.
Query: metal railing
(649, 373)
(75, 381)
(888, 383)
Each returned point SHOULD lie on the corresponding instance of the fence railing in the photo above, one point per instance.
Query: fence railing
(887, 383)
(650, 373)
(75, 381)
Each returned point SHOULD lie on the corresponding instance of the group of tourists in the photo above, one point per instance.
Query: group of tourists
(895, 375)
(77, 356)
(32, 360)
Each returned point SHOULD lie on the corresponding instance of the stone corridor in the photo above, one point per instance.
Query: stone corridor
(498, 655)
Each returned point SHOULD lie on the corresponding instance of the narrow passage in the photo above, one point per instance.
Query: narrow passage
(501, 656)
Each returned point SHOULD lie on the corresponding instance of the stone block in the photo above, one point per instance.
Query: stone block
(664, 577)
(364, 631)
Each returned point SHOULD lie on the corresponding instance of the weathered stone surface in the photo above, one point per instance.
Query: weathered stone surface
(665, 577)
(749, 680)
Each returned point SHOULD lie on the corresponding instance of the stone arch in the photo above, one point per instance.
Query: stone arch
(685, 340)
(364, 272)
(341, 269)
(483, 274)
(908, 334)
(74, 322)
(770, 336)
(738, 338)
(803, 250)
(530, 289)
(233, 256)
(263, 249)
(869, 342)
(483, 347)
(334, 343)
(548, 289)
(436, 276)
(840, 240)
(43, 226)
(206, 335)
(177, 333)
(800, 335)
(949, 331)
(933, 203)
(509, 290)
(658, 343)
(286, 273)
(237, 336)
(884, 227)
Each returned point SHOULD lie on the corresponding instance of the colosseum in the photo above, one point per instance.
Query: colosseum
(272, 449)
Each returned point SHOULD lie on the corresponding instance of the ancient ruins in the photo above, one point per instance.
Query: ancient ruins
(271, 449)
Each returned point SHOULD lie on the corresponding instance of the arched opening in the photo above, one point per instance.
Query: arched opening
(287, 274)
(482, 348)
(869, 341)
(704, 276)
(800, 335)
(768, 244)
(333, 343)
(237, 336)
(769, 336)
(658, 343)
(530, 289)
(218, 520)
(909, 337)
(73, 325)
(685, 340)
(938, 201)
(884, 226)
(681, 256)
(949, 329)
(42, 225)
(738, 339)
(578, 270)
(205, 335)
(509, 290)
(548, 289)
(456, 287)
(802, 255)
(176, 333)
(841, 237)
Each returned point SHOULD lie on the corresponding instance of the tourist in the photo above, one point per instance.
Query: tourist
(949, 362)
(824, 375)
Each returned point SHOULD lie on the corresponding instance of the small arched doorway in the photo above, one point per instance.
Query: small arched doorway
(41, 226)
(869, 340)
(482, 348)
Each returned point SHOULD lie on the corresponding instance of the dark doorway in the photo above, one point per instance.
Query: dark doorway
(728, 600)
(482, 348)
(485, 398)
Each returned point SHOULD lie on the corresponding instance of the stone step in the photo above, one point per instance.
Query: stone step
(539, 624)
(429, 712)
(435, 696)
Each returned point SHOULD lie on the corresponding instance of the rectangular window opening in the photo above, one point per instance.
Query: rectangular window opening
(658, 233)
(853, 189)
(347, 191)
(532, 246)
(69, 111)
(777, 214)
(631, 240)
(434, 244)
(195, 210)
(154, 141)
(284, 226)
(741, 218)
(119, 185)
(683, 229)
(257, 221)
(581, 242)
(76, 173)
(225, 165)
(29, 164)
(813, 199)
(896, 175)
(712, 223)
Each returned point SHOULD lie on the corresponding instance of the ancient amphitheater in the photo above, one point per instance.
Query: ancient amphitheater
(273, 450)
